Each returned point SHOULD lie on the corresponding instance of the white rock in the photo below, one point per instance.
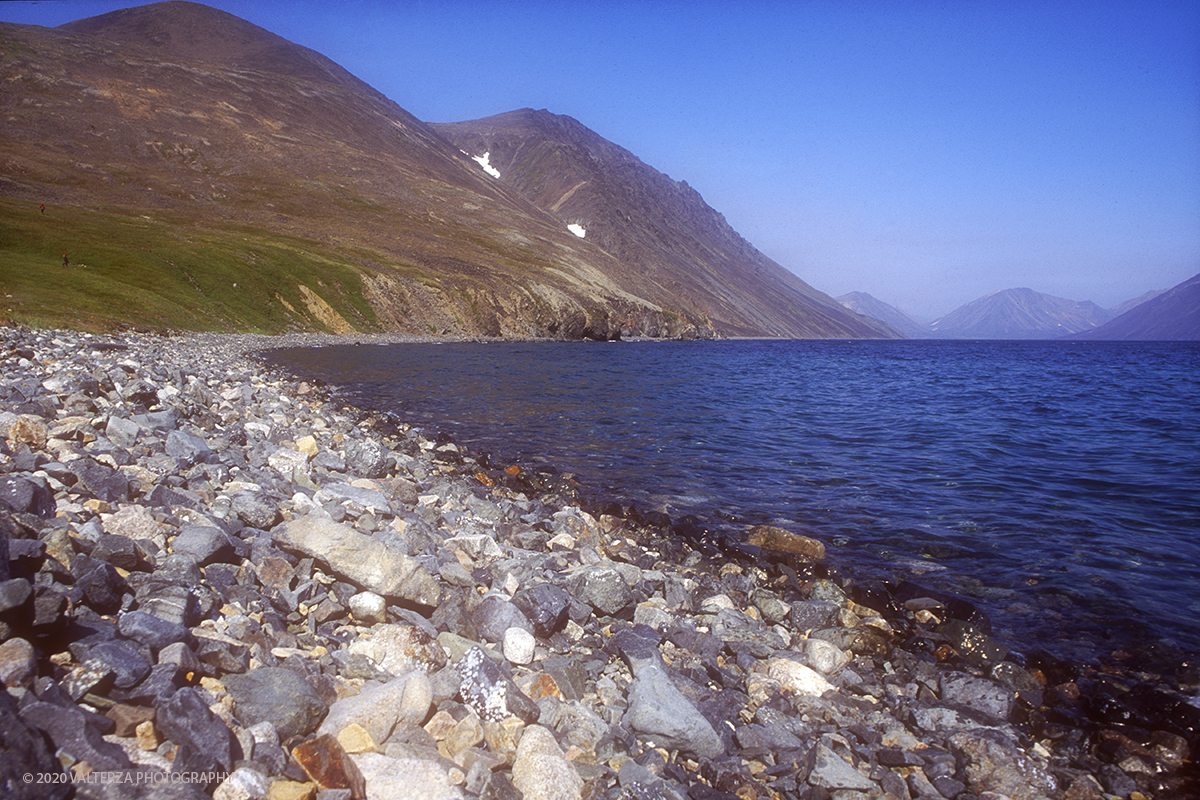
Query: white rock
(519, 645)
(796, 677)
(368, 607)
(541, 771)
(243, 784)
(410, 778)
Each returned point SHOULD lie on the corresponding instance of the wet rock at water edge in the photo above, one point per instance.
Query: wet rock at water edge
(779, 540)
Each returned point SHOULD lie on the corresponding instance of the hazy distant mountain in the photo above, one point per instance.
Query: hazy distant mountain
(204, 173)
(1128, 305)
(1019, 314)
(874, 308)
(1173, 315)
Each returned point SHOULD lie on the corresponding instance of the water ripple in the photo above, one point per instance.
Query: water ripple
(1041, 476)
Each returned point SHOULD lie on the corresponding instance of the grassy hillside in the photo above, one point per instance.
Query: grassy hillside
(127, 270)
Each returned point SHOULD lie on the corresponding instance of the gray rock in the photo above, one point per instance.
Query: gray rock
(519, 646)
(180, 656)
(187, 447)
(14, 594)
(825, 657)
(400, 647)
(99, 481)
(186, 720)
(495, 615)
(122, 432)
(360, 559)
(540, 769)
(368, 607)
(831, 771)
(18, 663)
(994, 764)
(150, 631)
(278, 696)
(660, 711)
(72, 731)
(255, 509)
(365, 458)
(369, 499)
(972, 643)
(120, 658)
(980, 694)
(410, 778)
(1019, 680)
(545, 606)
(810, 615)
(120, 551)
(26, 752)
(602, 587)
(170, 602)
(102, 587)
(379, 708)
(203, 543)
(27, 496)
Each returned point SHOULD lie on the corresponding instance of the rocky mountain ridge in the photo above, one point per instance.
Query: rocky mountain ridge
(212, 175)
(682, 246)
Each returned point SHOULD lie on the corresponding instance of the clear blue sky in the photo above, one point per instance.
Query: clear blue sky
(925, 152)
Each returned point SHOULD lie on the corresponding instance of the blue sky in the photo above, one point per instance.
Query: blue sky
(925, 152)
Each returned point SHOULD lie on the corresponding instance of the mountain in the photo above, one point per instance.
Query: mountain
(1128, 305)
(1173, 315)
(676, 245)
(200, 172)
(1019, 314)
(868, 306)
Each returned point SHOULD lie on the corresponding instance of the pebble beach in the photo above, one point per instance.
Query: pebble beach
(216, 580)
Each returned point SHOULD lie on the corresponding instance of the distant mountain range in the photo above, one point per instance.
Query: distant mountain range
(200, 172)
(1026, 314)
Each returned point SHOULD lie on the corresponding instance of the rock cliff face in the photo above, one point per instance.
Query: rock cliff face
(203, 173)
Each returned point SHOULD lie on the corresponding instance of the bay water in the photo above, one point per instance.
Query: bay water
(1057, 484)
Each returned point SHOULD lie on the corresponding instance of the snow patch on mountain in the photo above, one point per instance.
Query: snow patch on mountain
(488, 168)
(577, 229)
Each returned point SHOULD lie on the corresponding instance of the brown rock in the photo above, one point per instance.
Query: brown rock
(18, 663)
(128, 718)
(781, 541)
(147, 736)
(292, 790)
(330, 766)
(29, 429)
(544, 686)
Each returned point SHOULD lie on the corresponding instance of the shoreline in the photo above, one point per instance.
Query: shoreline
(790, 660)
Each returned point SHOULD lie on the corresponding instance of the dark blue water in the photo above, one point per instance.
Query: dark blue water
(1058, 483)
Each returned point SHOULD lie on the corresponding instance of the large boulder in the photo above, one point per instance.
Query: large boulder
(359, 559)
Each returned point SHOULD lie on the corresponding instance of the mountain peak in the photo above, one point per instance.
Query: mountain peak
(180, 30)
(1020, 313)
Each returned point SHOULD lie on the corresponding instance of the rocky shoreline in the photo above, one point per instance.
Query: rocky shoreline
(215, 581)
